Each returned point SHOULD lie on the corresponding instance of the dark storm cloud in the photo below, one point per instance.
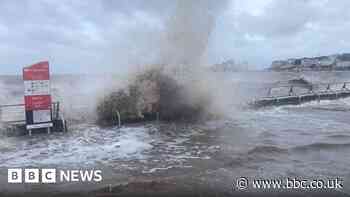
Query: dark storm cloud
(107, 34)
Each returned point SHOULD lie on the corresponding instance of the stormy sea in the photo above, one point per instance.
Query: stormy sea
(305, 141)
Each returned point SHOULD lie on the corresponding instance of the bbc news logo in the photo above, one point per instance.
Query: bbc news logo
(19, 175)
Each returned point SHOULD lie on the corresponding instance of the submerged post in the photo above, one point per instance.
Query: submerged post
(118, 116)
(269, 92)
(291, 92)
(311, 90)
(57, 110)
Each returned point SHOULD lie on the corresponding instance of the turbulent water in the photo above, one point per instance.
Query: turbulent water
(309, 140)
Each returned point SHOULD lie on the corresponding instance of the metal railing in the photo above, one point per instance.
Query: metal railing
(313, 92)
(310, 89)
(9, 111)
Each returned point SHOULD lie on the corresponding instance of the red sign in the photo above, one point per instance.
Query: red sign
(37, 87)
(39, 71)
(37, 102)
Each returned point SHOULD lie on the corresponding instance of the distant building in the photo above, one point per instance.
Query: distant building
(332, 62)
(232, 66)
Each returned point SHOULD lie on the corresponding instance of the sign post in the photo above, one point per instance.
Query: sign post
(37, 96)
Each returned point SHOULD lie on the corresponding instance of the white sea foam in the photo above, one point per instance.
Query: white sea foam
(93, 145)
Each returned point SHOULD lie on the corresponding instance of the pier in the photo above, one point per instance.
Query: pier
(316, 92)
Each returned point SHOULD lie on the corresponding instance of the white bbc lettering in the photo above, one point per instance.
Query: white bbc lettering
(14, 175)
(74, 175)
(81, 176)
(92, 175)
(48, 175)
(98, 176)
(31, 175)
(86, 175)
(64, 176)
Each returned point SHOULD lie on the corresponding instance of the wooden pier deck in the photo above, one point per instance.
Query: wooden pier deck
(314, 93)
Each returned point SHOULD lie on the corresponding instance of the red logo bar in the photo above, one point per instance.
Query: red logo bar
(39, 71)
(41, 102)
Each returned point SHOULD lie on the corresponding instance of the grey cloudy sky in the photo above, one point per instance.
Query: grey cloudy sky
(106, 35)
